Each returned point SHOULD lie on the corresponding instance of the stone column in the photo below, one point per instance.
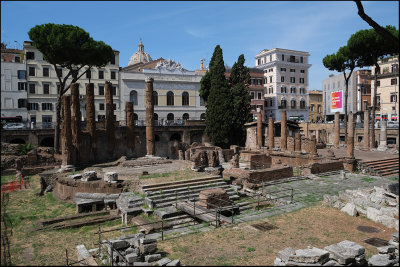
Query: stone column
(66, 134)
(259, 128)
(382, 137)
(91, 117)
(110, 120)
(366, 129)
(297, 142)
(130, 123)
(283, 131)
(76, 118)
(313, 146)
(271, 133)
(336, 127)
(350, 137)
(150, 147)
(317, 136)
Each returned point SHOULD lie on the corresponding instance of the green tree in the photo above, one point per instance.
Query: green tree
(69, 47)
(240, 80)
(343, 60)
(372, 47)
(219, 104)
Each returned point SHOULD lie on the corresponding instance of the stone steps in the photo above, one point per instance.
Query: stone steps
(380, 161)
(384, 167)
(151, 194)
(170, 185)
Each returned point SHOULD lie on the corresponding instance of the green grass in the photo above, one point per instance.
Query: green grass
(394, 178)
(155, 175)
(7, 178)
(368, 179)
(251, 249)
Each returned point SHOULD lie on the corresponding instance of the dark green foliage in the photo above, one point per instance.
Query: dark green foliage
(240, 79)
(205, 86)
(219, 104)
(23, 149)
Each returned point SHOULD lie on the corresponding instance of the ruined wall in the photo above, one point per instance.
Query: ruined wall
(320, 167)
(291, 160)
(290, 143)
(259, 176)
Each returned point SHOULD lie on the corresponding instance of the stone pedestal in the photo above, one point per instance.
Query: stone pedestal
(181, 155)
(350, 137)
(271, 133)
(366, 129)
(110, 120)
(91, 117)
(283, 131)
(110, 177)
(66, 135)
(76, 118)
(336, 128)
(297, 142)
(214, 198)
(313, 146)
(259, 129)
(130, 123)
(150, 146)
(349, 164)
(235, 161)
(383, 137)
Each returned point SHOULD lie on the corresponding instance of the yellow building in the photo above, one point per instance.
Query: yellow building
(315, 105)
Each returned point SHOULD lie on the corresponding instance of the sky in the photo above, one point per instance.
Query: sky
(188, 31)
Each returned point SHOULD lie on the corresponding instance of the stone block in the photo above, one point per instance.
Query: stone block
(395, 237)
(163, 262)
(339, 254)
(141, 263)
(75, 176)
(148, 248)
(176, 262)
(89, 176)
(152, 257)
(110, 177)
(386, 249)
(331, 263)
(147, 240)
(120, 244)
(352, 248)
(132, 257)
(392, 188)
(350, 209)
(260, 161)
(314, 255)
(380, 260)
(278, 262)
(389, 211)
(286, 253)
(387, 221)
(373, 214)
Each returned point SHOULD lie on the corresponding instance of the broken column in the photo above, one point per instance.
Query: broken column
(366, 129)
(271, 133)
(350, 137)
(336, 141)
(110, 120)
(313, 146)
(150, 148)
(382, 137)
(91, 117)
(75, 119)
(130, 123)
(66, 135)
(259, 128)
(283, 131)
(297, 142)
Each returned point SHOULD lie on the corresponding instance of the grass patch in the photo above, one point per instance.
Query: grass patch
(155, 175)
(394, 178)
(7, 178)
(251, 249)
(368, 179)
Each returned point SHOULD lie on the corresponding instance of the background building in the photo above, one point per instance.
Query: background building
(43, 87)
(387, 89)
(315, 106)
(13, 83)
(285, 82)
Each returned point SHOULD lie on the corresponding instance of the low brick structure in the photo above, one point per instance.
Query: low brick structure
(213, 198)
(260, 161)
(320, 167)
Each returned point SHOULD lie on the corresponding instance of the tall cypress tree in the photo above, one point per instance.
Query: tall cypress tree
(219, 104)
(240, 80)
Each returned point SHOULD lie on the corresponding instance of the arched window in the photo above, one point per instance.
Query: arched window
(283, 89)
(271, 90)
(155, 98)
(155, 116)
(133, 97)
(203, 116)
(170, 116)
(170, 98)
(293, 103)
(185, 99)
(185, 116)
(283, 102)
(302, 103)
(135, 117)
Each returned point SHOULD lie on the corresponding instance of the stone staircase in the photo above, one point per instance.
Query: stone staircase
(383, 167)
(167, 194)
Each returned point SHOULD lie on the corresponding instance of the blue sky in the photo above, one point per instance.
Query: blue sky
(189, 31)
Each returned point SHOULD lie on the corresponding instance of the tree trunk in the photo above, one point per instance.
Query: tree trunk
(57, 126)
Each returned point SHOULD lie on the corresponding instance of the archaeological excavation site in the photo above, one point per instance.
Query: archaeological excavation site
(151, 195)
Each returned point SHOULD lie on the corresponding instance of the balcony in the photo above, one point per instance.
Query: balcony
(293, 60)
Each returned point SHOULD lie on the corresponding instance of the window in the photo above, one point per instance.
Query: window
(283, 69)
(21, 86)
(58, 88)
(201, 101)
(252, 95)
(114, 90)
(30, 55)
(292, 59)
(283, 79)
(155, 116)
(293, 103)
(271, 70)
(319, 108)
(293, 90)
(185, 99)
(265, 80)
(292, 79)
(302, 90)
(101, 117)
(59, 72)
(393, 81)
(155, 98)
(185, 116)
(301, 59)
(113, 75)
(283, 57)
(312, 107)
(258, 62)
(33, 106)
(301, 80)
(46, 88)
(133, 97)
(21, 74)
(271, 90)
(170, 116)
(252, 81)
(202, 116)
(364, 90)
(270, 79)
(114, 106)
(365, 105)
(47, 106)
(170, 99)
(393, 98)
(271, 102)
(101, 74)
(17, 59)
(378, 99)
(31, 88)
(283, 103)
(378, 83)
(259, 81)
(31, 71)
(45, 72)
(302, 103)
(21, 103)
(270, 58)
(292, 70)
(259, 95)
(88, 74)
(113, 60)
(283, 89)
(101, 106)
(101, 89)
(302, 71)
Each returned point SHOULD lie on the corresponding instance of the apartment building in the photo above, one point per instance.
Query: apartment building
(13, 83)
(43, 87)
(285, 82)
(387, 89)
(315, 106)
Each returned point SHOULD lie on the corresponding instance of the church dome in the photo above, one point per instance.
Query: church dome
(140, 56)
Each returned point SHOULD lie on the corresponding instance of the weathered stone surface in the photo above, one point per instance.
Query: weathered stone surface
(176, 262)
(130, 124)
(395, 237)
(148, 248)
(380, 260)
(214, 197)
(110, 120)
(283, 130)
(119, 244)
(352, 248)
(75, 176)
(279, 262)
(387, 221)
(339, 254)
(260, 161)
(89, 176)
(131, 258)
(314, 255)
(147, 240)
(141, 264)
(373, 214)
(67, 148)
(76, 118)
(150, 143)
(110, 176)
(337, 130)
(350, 209)
(285, 254)
(386, 249)
(331, 263)
(152, 257)
(163, 261)
(350, 137)
(271, 141)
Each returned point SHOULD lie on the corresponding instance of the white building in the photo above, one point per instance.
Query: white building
(13, 84)
(43, 87)
(176, 90)
(285, 82)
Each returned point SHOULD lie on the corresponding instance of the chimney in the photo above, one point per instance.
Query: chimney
(201, 64)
